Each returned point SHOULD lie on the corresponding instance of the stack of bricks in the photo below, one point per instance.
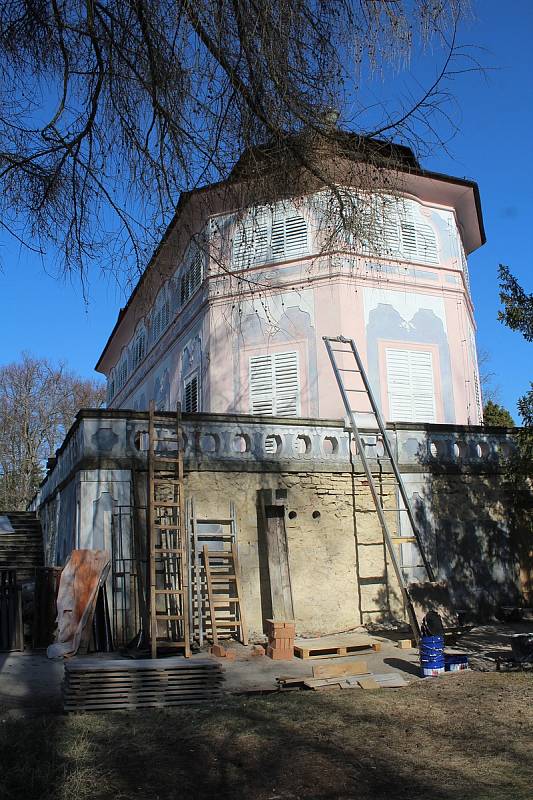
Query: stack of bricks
(280, 639)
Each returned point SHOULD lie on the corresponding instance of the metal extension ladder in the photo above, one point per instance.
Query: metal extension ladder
(169, 579)
(340, 346)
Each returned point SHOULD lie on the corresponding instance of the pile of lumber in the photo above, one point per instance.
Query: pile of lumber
(354, 675)
(281, 636)
(100, 684)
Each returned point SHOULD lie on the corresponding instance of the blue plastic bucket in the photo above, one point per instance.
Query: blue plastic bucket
(432, 655)
(455, 663)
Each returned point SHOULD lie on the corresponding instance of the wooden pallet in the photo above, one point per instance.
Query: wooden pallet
(102, 684)
(333, 647)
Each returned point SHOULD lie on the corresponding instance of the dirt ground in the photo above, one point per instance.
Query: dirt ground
(466, 734)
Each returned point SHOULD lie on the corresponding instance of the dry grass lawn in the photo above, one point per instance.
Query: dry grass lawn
(469, 735)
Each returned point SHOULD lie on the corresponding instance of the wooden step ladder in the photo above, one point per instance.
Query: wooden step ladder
(169, 579)
(224, 593)
(346, 361)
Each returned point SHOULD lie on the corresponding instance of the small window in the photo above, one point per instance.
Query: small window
(269, 235)
(192, 276)
(122, 371)
(160, 314)
(138, 349)
(191, 397)
(410, 386)
(275, 385)
(110, 386)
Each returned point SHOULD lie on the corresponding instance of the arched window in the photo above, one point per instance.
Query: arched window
(110, 386)
(138, 346)
(269, 234)
(191, 274)
(122, 370)
(161, 314)
(390, 227)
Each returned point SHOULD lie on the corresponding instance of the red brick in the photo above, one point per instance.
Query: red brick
(258, 650)
(281, 633)
(280, 655)
(231, 655)
(218, 650)
(281, 644)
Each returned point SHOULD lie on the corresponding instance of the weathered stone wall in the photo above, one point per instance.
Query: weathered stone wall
(339, 570)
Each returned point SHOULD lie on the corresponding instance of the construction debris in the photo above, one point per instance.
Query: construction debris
(94, 685)
(328, 680)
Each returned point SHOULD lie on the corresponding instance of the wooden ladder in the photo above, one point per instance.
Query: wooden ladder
(224, 592)
(169, 580)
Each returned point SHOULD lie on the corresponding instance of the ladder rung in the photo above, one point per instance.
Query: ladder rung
(169, 591)
(167, 527)
(165, 643)
(404, 539)
(157, 551)
(225, 602)
(166, 459)
(220, 553)
(169, 617)
(166, 480)
(213, 522)
(228, 624)
(165, 504)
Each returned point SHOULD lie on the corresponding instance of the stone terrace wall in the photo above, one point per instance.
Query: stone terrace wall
(340, 577)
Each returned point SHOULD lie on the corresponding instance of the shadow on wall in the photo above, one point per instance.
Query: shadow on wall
(479, 524)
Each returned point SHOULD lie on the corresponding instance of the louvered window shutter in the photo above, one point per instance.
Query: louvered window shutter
(287, 385)
(275, 385)
(261, 385)
(191, 396)
(192, 277)
(295, 237)
(250, 242)
(410, 384)
(269, 237)
(419, 242)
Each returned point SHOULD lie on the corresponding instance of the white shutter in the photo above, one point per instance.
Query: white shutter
(270, 235)
(410, 385)
(261, 385)
(295, 236)
(275, 385)
(250, 242)
(419, 242)
(287, 385)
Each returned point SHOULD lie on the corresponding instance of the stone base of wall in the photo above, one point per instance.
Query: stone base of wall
(340, 574)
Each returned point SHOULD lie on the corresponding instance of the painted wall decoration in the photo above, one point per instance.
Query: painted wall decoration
(414, 319)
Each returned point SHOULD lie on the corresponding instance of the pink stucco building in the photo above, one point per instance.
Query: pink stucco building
(231, 310)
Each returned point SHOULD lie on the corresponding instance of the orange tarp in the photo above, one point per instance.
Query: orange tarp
(83, 575)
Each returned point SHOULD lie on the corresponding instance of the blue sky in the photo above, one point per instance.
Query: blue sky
(49, 317)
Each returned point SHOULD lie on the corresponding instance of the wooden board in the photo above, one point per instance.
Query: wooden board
(278, 562)
(336, 670)
(368, 683)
